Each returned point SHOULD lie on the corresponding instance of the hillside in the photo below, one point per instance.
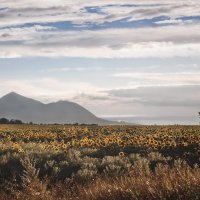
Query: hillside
(15, 106)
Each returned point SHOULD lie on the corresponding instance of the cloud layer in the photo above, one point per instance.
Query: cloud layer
(134, 58)
(127, 29)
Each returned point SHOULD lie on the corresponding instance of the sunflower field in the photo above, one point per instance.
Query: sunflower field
(99, 162)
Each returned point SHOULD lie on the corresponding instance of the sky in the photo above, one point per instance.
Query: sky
(137, 61)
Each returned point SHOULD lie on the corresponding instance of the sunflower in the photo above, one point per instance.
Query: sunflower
(121, 154)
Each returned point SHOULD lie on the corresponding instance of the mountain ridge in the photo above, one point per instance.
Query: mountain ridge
(16, 106)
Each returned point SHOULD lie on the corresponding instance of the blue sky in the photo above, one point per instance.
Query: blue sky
(127, 60)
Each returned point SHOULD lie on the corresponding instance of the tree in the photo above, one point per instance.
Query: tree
(4, 121)
(12, 121)
(17, 121)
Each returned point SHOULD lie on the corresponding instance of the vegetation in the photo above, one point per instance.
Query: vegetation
(99, 162)
(12, 121)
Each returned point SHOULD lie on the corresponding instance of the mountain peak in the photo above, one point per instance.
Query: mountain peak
(14, 98)
(11, 95)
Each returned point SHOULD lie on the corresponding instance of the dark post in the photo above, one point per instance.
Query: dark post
(199, 117)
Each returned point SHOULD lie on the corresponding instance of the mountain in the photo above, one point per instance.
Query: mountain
(15, 106)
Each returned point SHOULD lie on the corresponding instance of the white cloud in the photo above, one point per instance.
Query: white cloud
(142, 50)
(171, 21)
(75, 69)
(160, 79)
(167, 41)
(43, 40)
(49, 89)
(31, 11)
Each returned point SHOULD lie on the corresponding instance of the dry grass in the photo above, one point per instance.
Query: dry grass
(180, 182)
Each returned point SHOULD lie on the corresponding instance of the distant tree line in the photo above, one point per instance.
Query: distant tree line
(17, 121)
(12, 121)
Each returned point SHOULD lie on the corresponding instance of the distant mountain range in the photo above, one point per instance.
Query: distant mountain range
(15, 106)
